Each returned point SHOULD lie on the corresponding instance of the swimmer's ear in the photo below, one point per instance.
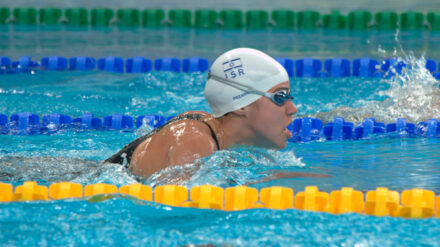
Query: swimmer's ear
(242, 112)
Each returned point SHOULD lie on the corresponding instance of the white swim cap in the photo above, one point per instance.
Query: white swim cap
(249, 69)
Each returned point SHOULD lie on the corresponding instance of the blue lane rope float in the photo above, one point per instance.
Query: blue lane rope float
(305, 67)
(111, 64)
(54, 63)
(368, 127)
(430, 65)
(151, 120)
(288, 64)
(392, 66)
(24, 123)
(429, 129)
(24, 64)
(5, 62)
(138, 64)
(87, 122)
(82, 63)
(195, 64)
(3, 124)
(338, 130)
(303, 129)
(402, 127)
(366, 67)
(118, 122)
(167, 64)
(308, 67)
(54, 122)
(337, 67)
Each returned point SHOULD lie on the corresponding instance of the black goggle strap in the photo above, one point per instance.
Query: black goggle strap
(249, 89)
(239, 86)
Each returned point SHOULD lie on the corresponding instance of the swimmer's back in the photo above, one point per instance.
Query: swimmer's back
(179, 142)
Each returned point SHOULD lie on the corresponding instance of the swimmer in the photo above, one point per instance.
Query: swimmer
(249, 94)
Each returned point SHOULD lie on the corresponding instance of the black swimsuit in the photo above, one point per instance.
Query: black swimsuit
(128, 150)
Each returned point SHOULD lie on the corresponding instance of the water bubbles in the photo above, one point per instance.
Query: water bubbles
(51, 126)
(396, 36)
(144, 129)
(413, 93)
(237, 166)
(45, 169)
(380, 50)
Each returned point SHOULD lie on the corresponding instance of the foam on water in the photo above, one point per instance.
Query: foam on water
(413, 94)
(236, 166)
(116, 220)
(75, 157)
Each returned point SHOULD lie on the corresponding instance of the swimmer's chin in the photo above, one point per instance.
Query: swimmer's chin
(283, 146)
(286, 136)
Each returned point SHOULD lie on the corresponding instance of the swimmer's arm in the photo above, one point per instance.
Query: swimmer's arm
(287, 174)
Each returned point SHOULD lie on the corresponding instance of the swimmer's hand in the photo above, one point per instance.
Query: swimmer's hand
(286, 174)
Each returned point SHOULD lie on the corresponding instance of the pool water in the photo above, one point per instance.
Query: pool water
(396, 163)
(121, 222)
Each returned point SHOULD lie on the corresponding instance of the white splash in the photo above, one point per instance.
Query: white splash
(227, 167)
(413, 94)
(144, 129)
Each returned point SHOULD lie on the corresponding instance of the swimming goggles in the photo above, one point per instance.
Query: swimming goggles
(279, 98)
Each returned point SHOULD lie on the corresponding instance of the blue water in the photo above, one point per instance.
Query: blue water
(163, 93)
(121, 222)
(394, 162)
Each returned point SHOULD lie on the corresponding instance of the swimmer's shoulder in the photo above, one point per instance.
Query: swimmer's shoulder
(192, 143)
(190, 128)
(178, 143)
(192, 135)
(195, 130)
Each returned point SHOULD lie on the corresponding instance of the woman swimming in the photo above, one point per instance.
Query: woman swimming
(249, 94)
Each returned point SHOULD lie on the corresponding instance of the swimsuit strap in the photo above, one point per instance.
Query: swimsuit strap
(213, 134)
(128, 150)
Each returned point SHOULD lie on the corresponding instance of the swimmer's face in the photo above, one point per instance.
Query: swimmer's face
(269, 121)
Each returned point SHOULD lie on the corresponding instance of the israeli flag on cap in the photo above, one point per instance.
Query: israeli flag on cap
(233, 68)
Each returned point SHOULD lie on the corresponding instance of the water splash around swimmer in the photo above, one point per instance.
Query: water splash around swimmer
(236, 166)
(413, 93)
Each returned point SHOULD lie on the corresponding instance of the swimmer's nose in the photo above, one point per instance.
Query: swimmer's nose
(291, 108)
